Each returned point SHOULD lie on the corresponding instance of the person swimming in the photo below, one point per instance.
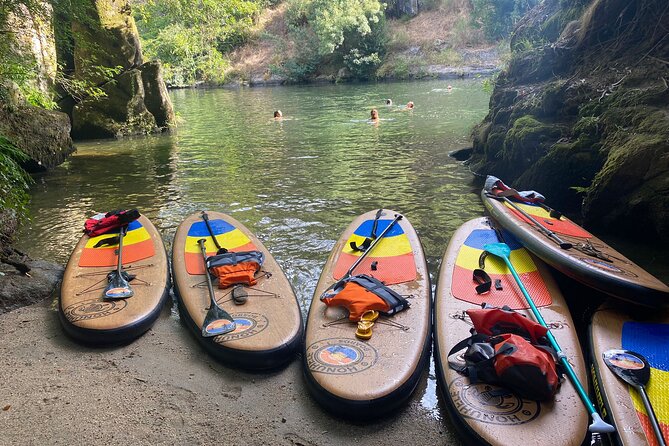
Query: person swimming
(374, 115)
(278, 114)
(389, 102)
(409, 105)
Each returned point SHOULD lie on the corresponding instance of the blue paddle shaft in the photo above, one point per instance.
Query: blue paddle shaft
(563, 360)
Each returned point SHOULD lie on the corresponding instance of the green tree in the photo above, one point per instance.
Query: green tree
(190, 36)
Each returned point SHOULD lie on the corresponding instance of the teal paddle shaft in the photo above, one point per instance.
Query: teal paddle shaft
(598, 425)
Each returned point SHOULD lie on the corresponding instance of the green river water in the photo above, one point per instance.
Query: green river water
(297, 183)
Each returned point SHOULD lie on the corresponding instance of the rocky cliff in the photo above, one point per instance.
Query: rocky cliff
(135, 98)
(582, 112)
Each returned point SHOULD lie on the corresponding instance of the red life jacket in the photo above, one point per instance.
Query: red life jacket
(511, 351)
(111, 220)
(233, 268)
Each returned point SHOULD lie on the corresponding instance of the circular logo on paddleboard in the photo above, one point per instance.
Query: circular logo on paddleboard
(248, 324)
(93, 309)
(340, 356)
(491, 404)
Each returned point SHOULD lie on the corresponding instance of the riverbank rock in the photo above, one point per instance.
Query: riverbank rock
(581, 113)
(44, 135)
(24, 281)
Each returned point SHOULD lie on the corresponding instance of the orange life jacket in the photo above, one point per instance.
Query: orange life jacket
(234, 268)
(362, 293)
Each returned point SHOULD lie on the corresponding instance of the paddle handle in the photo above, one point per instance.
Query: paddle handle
(398, 217)
(598, 425)
(651, 416)
(547, 232)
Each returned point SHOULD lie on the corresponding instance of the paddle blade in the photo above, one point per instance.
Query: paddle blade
(118, 287)
(629, 366)
(217, 322)
(498, 249)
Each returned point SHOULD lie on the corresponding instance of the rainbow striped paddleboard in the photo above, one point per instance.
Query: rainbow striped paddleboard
(83, 312)
(647, 332)
(359, 378)
(268, 324)
(590, 260)
(484, 413)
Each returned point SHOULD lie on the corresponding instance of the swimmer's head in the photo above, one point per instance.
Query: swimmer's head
(389, 102)
(410, 105)
(374, 114)
(278, 114)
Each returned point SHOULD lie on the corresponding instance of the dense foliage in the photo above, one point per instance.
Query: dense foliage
(191, 36)
(14, 180)
(337, 32)
(498, 17)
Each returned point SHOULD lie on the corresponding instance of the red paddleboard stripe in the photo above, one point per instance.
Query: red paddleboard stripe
(463, 288)
(107, 256)
(389, 270)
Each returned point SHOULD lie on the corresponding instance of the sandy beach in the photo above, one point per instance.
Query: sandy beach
(164, 389)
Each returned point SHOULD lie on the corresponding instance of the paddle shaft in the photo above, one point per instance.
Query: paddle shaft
(119, 266)
(205, 217)
(651, 415)
(563, 359)
(547, 232)
(398, 217)
(206, 273)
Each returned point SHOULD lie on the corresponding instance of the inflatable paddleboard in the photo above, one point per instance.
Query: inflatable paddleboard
(484, 413)
(84, 313)
(647, 333)
(359, 378)
(590, 260)
(268, 324)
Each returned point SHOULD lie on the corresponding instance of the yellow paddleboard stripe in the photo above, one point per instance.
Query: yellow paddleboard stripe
(134, 236)
(535, 211)
(468, 258)
(229, 240)
(658, 394)
(388, 246)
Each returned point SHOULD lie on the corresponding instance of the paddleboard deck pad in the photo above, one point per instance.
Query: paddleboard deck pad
(590, 260)
(85, 315)
(268, 325)
(646, 333)
(485, 413)
(358, 378)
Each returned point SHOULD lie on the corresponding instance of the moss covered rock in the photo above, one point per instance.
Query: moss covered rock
(122, 112)
(156, 97)
(44, 135)
(583, 107)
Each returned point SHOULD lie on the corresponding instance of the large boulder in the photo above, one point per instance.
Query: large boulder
(121, 112)
(156, 98)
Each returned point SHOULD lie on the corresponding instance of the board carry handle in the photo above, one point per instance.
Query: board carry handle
(598, 425)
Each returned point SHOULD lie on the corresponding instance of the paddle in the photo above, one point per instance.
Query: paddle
(547, 232)
(220, 250)
(398, 217)
(217, 321)
(503, 251)
(634, 369)
(118, 286)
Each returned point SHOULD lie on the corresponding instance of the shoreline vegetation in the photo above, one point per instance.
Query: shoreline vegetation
(302, 41)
